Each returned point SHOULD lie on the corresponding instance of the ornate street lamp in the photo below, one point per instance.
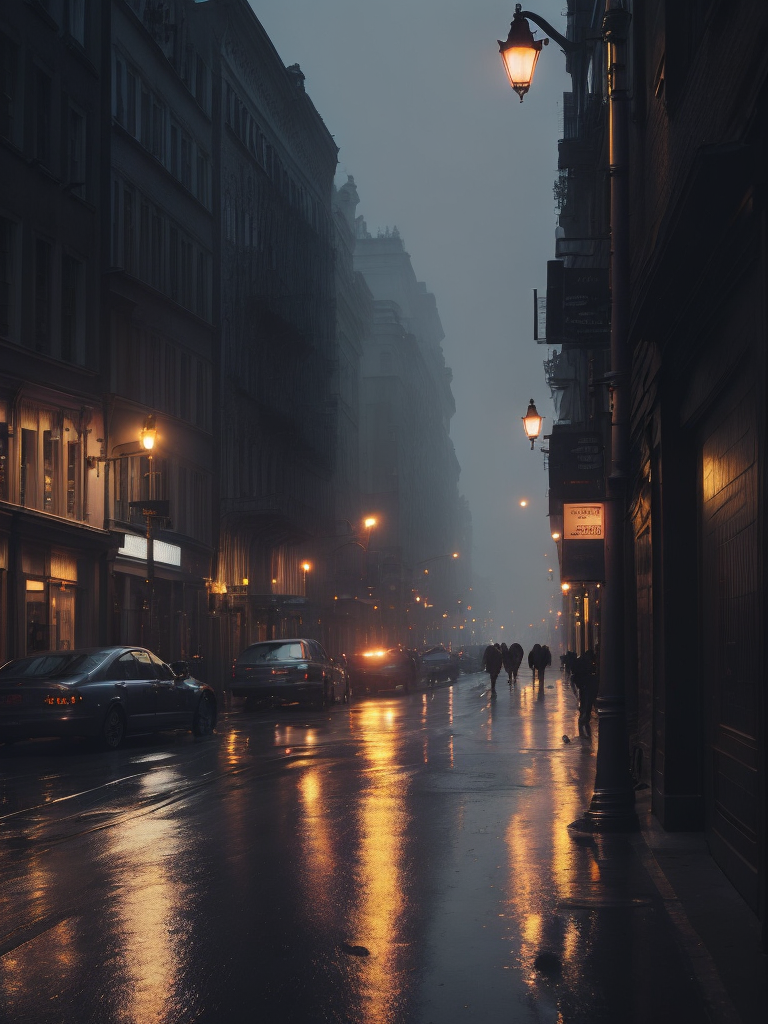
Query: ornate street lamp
(532, 423)
(148, 433)
(520, 53)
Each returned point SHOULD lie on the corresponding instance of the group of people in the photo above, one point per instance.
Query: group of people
(579, 670)
(498, 656)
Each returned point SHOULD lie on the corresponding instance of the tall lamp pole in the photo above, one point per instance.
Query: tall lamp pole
(611, 808)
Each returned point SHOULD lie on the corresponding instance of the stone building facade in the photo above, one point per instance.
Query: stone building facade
(53, 544)
(160, 350)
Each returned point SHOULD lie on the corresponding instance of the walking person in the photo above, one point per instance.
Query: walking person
(512, 663)
(492, 662)
(584, 678)
(533, 659)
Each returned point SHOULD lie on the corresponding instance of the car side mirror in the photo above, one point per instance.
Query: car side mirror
(180, 669)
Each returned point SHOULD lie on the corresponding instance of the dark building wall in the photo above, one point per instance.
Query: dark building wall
(696, 552)
(699, 277)
(52, 546)
(159, 319)
(275, 280)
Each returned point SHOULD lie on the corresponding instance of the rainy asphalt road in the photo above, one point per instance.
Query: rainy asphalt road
(402, 861)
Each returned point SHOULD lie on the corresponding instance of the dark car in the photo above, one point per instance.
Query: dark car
(471, 658)
(379, 670)
(287, 672)
(102, 692)
(439, 665)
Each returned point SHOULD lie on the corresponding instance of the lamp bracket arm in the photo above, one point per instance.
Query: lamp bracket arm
(567, 45)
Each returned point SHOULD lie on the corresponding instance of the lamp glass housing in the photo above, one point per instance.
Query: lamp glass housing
(520, 53)
(148, 434)
(532, 423)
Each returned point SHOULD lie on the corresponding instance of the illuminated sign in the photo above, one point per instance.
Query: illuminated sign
(136, 547)
(583, 522)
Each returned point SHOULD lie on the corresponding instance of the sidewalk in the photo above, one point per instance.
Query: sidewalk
(717, 932)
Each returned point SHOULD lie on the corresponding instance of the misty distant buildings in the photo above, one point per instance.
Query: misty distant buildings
(174, 257)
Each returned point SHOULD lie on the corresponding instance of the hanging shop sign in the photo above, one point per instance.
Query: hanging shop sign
(576, 460)
(578, 306)
(583, 543)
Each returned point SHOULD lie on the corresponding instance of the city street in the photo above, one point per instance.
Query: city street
(402, 861)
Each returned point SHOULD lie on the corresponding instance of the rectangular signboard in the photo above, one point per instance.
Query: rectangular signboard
(576, 464)
(584, 522)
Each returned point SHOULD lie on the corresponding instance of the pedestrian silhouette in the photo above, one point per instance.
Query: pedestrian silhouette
(533, 657)
(511, 658)
(585, 680)
(492, 662)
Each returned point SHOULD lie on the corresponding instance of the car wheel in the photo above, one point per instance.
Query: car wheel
(112, 731)
(202, 723)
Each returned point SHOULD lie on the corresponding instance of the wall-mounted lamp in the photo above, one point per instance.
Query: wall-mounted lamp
(532, 423)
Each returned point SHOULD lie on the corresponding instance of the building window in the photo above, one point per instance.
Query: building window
(201, 82)
(72, 310)
(158, 128)
(143, 269)
(28, 467)
(7, 277)
(9, 88)
(76, 24)
(201, 306)
(128, 239)
(4, 452)
(158, 262)
(202, 177)
(73, 479)
(43, 118)
(146, 117)
(186, 162)
(174, 156)
(186, 274)
(132, 86)
(43, 294)
(173, 263)
(119, 101)
(76, 152)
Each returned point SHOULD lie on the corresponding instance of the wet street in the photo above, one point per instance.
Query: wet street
(402, 861)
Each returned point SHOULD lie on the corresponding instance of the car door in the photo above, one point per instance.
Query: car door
(327, 669)
(135, 690)
(170, 699)
(148, 682)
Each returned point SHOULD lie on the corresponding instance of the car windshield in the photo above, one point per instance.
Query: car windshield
(55, 665)
(262, 653)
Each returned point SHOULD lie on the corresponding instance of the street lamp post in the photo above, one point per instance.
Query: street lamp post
(611, 808)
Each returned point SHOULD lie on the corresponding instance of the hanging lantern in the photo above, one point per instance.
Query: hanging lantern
(520, 53)
(532, 423)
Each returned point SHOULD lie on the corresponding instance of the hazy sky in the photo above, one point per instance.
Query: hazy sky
(415, 94)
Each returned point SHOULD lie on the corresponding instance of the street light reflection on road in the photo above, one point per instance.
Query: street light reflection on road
(383, 822)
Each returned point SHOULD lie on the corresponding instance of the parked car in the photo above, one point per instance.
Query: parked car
(471, 658)
(102, 692)
(377, 671)
(439, 665)
(287, 672)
